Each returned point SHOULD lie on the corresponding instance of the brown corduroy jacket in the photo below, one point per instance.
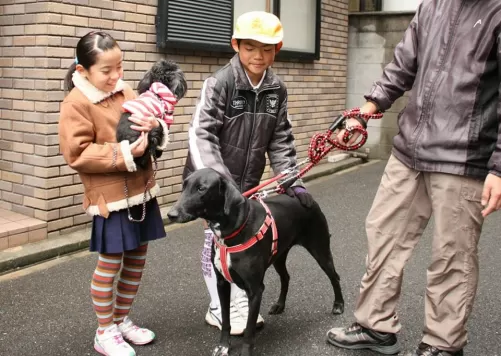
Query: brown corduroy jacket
(87, 137)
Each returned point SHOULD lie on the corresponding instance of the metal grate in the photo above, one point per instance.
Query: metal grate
(200, 24)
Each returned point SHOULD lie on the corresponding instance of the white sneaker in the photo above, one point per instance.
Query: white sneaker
(241, 304)
(213, 317)
(111, 343)
(239, 312)
(136, 335)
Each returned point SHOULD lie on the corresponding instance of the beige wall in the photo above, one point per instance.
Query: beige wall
(37, 45)
(372, 39)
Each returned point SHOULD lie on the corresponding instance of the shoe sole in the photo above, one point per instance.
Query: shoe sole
(385, 350)
(233, 332)
(139, 343)
(100, 350)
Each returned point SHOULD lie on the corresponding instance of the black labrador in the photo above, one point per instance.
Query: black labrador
(208, 195)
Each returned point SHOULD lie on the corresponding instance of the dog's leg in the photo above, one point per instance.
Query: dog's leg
(250, 329)
(224, 291)
(281, 268)
(323, 256)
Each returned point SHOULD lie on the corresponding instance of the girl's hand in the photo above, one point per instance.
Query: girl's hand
(139, 146)
(143, 124)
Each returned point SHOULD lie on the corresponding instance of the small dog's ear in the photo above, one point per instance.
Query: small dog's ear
(232, 196)
(145, 83)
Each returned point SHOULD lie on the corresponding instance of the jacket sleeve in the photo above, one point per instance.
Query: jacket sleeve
(282, 150)
(399, 75)
(494, 164)
(76, 141)
(205, 126)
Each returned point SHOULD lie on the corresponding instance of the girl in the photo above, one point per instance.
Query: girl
(124, 220)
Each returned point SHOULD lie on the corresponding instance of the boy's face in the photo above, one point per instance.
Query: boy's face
(255, 56)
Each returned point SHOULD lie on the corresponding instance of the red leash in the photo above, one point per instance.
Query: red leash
(320, 145)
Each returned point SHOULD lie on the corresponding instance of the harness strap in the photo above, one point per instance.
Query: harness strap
(225, 251)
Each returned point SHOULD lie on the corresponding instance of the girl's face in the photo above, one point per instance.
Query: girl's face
(107, 70)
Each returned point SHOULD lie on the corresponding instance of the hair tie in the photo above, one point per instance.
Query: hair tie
(76, 60)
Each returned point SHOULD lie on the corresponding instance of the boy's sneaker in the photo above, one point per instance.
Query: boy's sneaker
(357, 337)
(111, 343)
(427, 350)
(237, 320)
(241, 304)
(136, 335)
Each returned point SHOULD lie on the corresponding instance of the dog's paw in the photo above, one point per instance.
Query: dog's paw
(338, 308)
(221, 351)
(276, 308)
(246, 350)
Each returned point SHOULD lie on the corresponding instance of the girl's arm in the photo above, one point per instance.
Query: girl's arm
(76, 140)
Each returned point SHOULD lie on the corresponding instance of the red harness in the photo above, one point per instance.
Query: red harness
(225, 251)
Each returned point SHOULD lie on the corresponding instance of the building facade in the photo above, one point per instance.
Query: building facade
(40, 196)
(375, 28)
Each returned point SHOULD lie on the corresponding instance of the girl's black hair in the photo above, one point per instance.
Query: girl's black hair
(88, 47)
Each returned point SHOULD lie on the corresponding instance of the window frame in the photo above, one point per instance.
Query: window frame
(288, 54)
(163, 43)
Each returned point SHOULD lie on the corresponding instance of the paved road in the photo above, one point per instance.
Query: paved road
(47, 311)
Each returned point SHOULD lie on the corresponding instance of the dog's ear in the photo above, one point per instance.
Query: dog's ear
(145, 83)
(232, 196)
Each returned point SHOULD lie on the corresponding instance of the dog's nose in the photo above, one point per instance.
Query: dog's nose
(173, 214)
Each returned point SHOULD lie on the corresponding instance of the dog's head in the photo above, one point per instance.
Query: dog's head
(206, 194)
(168, 73)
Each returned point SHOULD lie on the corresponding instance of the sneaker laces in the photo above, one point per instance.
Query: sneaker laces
(354, 327)
(241, 303)
(118, 339)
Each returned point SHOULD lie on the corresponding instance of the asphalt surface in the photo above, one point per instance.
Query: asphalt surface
(46, 310)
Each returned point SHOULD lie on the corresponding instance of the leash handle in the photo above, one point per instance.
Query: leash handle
(320, 145)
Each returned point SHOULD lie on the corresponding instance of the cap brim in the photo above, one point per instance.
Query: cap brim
(262, 39)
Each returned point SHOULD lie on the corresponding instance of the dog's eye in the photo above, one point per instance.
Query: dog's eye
(200, 188)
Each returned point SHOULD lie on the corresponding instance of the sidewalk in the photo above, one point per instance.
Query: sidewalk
(37, 252)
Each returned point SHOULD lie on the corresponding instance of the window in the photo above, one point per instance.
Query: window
(208, 24)
(382, 5)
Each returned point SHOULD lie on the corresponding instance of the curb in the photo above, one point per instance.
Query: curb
(38, 252)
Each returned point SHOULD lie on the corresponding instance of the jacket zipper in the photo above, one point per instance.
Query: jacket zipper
(440, 69)
(252, 133)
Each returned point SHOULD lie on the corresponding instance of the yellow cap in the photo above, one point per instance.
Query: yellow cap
(259, 26)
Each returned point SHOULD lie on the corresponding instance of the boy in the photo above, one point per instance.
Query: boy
(446, 162)
(241, 115)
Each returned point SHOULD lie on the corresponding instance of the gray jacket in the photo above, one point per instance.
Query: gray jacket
(234, 127)
(450, 56)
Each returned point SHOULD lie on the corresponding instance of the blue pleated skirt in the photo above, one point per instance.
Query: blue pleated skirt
(118, 234)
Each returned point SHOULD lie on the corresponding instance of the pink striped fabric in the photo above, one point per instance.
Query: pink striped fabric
(158, 101)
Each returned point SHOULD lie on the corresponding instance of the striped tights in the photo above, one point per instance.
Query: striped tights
(108, 267)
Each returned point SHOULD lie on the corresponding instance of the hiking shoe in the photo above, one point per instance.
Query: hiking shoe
(427, 350)
(134, 334)
(357, 337)
(111, 343)
(241, 304)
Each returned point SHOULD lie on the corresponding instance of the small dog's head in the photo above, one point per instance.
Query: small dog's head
(207, 195)
(168, 73)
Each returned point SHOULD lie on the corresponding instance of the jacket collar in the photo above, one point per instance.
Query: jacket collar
(91, 92)
(241, 80)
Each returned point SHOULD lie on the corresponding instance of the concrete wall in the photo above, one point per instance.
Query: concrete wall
(37, 41)
(372, 39)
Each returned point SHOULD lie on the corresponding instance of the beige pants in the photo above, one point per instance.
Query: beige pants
(400, 212)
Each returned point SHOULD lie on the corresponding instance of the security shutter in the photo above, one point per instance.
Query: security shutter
(195, 24)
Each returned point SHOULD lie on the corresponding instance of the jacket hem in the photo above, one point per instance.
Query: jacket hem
(93, 210)
(457, 169)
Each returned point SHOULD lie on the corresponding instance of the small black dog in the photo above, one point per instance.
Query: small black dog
(207, 194)
(169, 74)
